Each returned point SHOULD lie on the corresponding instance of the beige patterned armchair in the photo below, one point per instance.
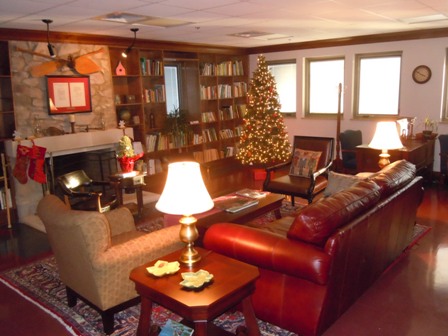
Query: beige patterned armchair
(95, 253)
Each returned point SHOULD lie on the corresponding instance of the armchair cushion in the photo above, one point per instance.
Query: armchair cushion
(304, 162)
(318, 221)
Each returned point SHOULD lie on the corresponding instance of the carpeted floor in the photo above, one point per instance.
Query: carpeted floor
(39, 283)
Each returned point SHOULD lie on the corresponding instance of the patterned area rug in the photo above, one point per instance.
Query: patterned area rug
(39, 283)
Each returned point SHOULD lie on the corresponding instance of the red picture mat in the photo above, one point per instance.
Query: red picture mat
(68, 94)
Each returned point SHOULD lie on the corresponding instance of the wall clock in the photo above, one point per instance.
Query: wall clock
(421, 74)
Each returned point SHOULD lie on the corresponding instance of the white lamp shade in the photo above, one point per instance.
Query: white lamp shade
(386, 136)
(185, 192)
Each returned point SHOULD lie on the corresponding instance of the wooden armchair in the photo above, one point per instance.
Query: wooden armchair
(310, 184)
(80, 193)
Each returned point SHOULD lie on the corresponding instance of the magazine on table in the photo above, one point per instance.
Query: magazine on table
(252, 193)
(234, 203)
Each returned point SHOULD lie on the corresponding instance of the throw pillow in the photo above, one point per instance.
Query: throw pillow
(304, 162)
(338, 182)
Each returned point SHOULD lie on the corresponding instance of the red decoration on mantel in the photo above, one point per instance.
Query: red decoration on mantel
(120, 70)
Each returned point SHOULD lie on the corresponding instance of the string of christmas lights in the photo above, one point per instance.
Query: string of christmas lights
(264, 139)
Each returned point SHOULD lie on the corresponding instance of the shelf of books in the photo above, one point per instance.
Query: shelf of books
(214, 123)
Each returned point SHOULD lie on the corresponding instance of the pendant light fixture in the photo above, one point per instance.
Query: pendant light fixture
(126, 52)
(49, 46)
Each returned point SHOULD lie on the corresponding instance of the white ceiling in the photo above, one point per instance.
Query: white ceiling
(214, 21)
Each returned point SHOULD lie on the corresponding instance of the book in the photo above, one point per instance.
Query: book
(172, 327)
(252, 193)
(234, 203)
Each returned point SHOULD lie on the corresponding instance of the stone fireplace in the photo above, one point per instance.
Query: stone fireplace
(64, 153)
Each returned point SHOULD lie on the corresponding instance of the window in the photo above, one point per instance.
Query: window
(172, 88)
(323, 77)
(377, 84)
(285, 75)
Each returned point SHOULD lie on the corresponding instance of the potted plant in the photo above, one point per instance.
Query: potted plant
(177, 127)
(430, 126)
(126, 155)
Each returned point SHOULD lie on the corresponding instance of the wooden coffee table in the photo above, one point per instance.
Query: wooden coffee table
(233, 283)
(272, 202)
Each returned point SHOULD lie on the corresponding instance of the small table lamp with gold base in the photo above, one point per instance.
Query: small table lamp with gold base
(185, 194)
(386, 137)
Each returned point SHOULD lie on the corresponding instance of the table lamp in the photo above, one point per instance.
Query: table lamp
(386, 137)
(185, 194)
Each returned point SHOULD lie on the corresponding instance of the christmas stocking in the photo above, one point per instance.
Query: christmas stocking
(22, 159)
(37, 162)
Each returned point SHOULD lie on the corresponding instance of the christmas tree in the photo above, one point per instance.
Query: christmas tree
(264, 139)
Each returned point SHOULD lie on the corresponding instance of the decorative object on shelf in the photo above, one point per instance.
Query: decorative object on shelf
(185, 194)
(430, 128)
(120, 69)
(117, 99)
(421, 74)
(264, 139)
(125, 114)
(386, 137)
(130, 99)
(126, 155)
(125, 53)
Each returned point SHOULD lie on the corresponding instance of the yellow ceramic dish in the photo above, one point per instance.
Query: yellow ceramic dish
(196, 279)
(162, 268)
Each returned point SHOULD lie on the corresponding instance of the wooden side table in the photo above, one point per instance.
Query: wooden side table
(135, 181)
(232, 285)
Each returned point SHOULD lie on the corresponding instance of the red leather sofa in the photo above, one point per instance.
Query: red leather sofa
(317, 265)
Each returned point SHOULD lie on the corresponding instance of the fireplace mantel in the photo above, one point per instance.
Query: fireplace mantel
(72, 143)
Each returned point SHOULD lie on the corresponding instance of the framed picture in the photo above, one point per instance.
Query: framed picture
(68, 94)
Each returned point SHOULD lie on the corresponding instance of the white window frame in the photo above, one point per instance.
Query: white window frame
(330, 90)
(286, 85)
(381, 79)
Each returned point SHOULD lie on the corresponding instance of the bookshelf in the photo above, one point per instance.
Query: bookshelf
(7, 120)
(212, 94)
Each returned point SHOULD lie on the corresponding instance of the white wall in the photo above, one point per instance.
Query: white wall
(419, 100)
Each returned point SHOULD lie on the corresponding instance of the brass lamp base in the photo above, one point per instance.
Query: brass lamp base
(384, 159)
(188, 234)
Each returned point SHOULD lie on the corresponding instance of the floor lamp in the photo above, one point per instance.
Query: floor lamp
(385, 138)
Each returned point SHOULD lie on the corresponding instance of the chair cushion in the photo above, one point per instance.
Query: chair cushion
(315, 223)
(304, 162)
(338, 182)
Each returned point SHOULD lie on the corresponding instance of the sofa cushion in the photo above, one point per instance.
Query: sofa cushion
(394, 176)
(318, 221)
(338, 182)
(304, 162)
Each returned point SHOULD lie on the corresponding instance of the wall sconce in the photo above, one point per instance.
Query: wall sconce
(185, 194)
(49, 46)
(126, 52)
(386, 137)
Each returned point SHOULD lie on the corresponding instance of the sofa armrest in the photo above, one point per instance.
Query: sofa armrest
(269, 251)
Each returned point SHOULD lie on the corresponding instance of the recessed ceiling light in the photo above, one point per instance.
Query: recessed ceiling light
(250, 34)
(143, 20)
